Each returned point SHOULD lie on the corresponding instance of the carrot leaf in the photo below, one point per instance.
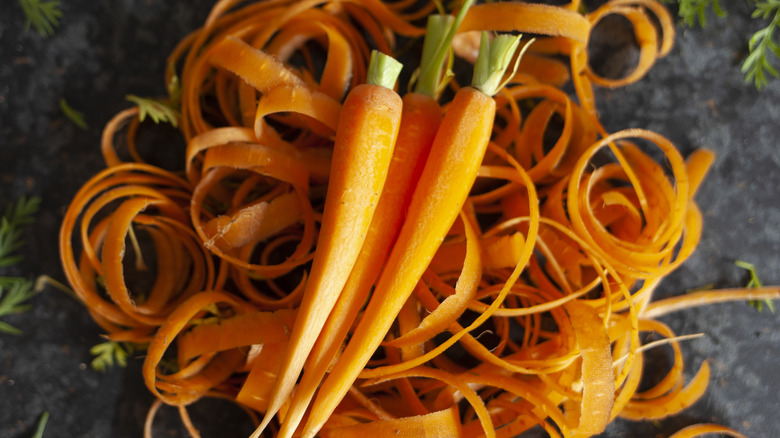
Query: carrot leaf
(755, 282)
(15, 216)
(494, 58)
(762, 43)
(77, 117)
(160, 111)
(107, 352)
(14, 291)
(383, 70)
(43, 16)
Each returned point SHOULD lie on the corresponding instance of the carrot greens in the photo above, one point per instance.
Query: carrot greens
(75, 116)
(13, 295)
(41, 425)
(44, 16)
(160, 111)
(691, 11)
(15, 291)
(106, 354)
(762, 44)
(755, 282)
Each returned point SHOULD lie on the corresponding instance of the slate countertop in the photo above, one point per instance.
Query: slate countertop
(105, 49)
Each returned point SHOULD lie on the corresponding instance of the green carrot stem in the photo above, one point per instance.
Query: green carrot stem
(383, 70)
(494, 58)
(440, 31)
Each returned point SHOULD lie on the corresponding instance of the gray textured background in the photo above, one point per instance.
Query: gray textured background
(105, 49)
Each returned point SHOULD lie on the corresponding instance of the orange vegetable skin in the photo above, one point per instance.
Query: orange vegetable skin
(598, 382)
(448, 175)
(419, 121)
(366, 134)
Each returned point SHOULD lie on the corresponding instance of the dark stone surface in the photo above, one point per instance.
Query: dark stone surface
(105, 49)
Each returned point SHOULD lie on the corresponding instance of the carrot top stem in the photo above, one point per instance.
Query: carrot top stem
(494, 58)
(439, 33)
(383, 70)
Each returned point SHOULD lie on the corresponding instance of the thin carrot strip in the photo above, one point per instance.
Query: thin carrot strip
(214, 137)
(453, 306)
(260, 70)
(301, 255)
(107, 138)
(188, 390)
(264, 160)
(253, 223)
(598, 393)
(646, 37)
(319, 107)
(453, 381)
(444, 423)
(695, 299)
(697, 430)
(654, 409)
(531, 18)
(237, 331)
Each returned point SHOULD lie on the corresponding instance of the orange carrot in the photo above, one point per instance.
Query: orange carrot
(448, 175)
(420, 119)
(419, 122)
(365, 138)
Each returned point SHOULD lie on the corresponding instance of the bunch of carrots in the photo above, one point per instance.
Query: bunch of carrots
(342, 259)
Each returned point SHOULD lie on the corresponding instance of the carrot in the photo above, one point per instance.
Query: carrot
(365, 138)
(420, 120)
(451, 169)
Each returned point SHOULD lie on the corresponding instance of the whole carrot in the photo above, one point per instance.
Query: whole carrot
(365, 138)
(449, 173)
(419, 123)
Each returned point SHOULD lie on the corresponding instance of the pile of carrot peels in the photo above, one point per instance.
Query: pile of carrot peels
(340, 257)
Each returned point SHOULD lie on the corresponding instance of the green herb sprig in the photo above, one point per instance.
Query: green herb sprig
(43, 16)
(755, 282)
(15, 216)
(41, 425)
(693, 11)
(12, 299)
(761, 44)
(77, 117)
(160, 111)
(14, 291)
(108, 353)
